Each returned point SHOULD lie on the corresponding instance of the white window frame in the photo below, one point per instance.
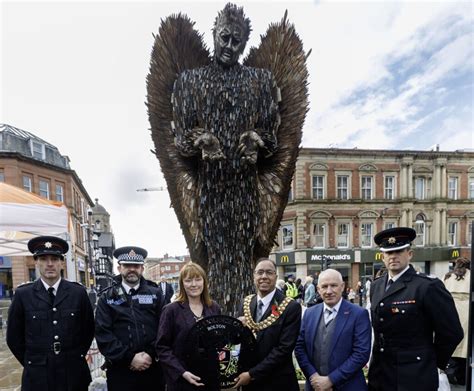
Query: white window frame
(422, 181)
(389, 224)
(387, 189)
(29, 185)
(364, 188)
(453, 190)
(319, 235)
(346, 234)
(452, 233)
(420, 227)
(469, 232)
(369, 235)
(340, 188)
(318, 187)
(285, 245)
(34, 146)
(471, 187)
(41, 191)
(60, 194)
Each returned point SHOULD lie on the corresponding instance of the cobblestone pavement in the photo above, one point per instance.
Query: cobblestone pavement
(10, 368)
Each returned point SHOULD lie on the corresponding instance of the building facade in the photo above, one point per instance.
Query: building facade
(168, 267)
(34, 165)
(341, 198)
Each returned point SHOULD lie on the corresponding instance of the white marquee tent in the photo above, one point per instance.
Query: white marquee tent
(24, 215)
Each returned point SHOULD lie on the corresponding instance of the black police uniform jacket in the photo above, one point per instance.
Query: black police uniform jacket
(51, 340)
(416, 329)
(127, 325)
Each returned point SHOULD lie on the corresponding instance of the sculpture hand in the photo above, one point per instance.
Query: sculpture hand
(210, 147)
(249, 143)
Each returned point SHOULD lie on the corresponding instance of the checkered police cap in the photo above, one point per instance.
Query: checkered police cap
(130, 255)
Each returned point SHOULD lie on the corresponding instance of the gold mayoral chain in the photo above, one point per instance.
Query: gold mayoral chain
(268, 321)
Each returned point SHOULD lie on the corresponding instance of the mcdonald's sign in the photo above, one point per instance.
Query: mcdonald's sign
(455, 254)
(283, 259)
(378, 256)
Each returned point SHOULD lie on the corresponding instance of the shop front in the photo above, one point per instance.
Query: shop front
(6, 282)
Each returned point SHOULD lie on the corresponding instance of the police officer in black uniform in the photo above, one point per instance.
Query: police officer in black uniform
(51, 324)
(127, 319)
(416, 326)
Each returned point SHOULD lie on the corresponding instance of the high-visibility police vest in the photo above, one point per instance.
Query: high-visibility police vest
(291, 290)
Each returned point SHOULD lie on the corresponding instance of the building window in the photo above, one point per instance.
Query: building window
(389, 187)
(366, 187)
(44, 188)
(318, 187)
(287, 236)
(319, 234)
(59, 193)
(421, 188)
(343, 235)
(367, 231)
(453, 188)
(290, 193)
(389, 224)
(27, 183)
(343, 187)
(471, 188)
(420, 230)
(2, 176)
(452, 229)
(37, 150)
(469, 234)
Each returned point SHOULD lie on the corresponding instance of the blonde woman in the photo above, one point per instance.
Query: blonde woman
(193, 303)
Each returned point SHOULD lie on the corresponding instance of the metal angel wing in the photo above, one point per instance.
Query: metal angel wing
(280, 51)
(177, 47)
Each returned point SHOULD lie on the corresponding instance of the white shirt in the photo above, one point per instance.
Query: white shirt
(55, 286)
(334, 309)
(395, 278)
(266, 300)
(163, 287)
(127, 288)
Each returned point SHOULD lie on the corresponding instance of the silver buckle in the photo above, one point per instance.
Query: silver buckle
(57, 347)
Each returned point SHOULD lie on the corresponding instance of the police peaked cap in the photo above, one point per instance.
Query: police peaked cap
(48, 245)
(394, 239)
(131, 255)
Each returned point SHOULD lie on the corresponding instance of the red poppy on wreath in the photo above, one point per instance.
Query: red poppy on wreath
(275, 310)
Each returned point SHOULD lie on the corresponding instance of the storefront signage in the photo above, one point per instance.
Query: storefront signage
(283, 259)
(340, 256)
(420, 254)
(81, 264)
(5, 262)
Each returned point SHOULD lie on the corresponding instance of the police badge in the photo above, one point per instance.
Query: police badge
(220, 347)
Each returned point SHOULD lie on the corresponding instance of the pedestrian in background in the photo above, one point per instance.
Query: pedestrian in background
(416, 326)
(127, 319)
(309, 292)
(51, 324)
(458, 283)
(192, 304)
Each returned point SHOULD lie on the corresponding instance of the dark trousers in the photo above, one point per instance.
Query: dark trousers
(123, 379)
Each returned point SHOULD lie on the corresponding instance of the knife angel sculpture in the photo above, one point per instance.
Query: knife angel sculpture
(227, 137)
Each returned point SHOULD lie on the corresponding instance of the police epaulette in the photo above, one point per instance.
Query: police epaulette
(22, 285)
(428, 277)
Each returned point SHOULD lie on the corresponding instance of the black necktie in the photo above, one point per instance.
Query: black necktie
(132, 292)
(51, 294)
(389, 284)
(259, 310)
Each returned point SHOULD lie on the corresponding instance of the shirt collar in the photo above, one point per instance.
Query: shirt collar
(395, 278)
(127, 288)
(267, 299)
(55, 286)
(335, 308)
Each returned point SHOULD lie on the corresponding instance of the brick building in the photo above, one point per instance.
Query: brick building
(341, 198)
(32, 164)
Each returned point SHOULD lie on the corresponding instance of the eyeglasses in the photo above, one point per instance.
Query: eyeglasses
(269, 273)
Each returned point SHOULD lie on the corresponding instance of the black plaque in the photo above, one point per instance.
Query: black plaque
(219, 347)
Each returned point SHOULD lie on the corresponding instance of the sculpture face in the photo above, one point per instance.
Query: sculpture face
(228, 43)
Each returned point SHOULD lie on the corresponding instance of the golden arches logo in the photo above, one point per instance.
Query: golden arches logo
(379, 256)
(285, 259)
(455, 254)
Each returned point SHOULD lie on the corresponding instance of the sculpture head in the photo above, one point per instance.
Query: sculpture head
(231, 32)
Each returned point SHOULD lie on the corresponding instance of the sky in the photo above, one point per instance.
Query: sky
(383, 75)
